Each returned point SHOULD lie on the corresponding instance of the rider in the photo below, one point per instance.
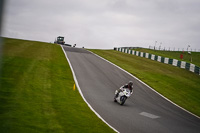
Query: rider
(129, 86)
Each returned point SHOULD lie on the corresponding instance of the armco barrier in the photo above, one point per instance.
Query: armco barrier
(182, 64)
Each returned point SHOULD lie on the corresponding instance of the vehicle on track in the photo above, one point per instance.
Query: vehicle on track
(122, 96)
(60, 40)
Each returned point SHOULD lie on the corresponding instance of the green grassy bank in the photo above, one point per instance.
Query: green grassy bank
(179, 85)
(36, 92)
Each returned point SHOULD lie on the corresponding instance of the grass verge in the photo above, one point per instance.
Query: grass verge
(36, 92)
(179, 85)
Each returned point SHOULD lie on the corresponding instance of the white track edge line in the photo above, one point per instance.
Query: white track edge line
(77, 85)
(147, 85)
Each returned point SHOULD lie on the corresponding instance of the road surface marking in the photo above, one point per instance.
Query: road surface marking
(149, 115)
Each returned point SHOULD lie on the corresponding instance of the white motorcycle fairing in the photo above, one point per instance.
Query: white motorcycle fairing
(123, 95)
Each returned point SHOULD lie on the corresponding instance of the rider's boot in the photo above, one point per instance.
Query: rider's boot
(118, 91)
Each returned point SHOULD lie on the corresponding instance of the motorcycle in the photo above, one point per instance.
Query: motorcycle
(122, 96)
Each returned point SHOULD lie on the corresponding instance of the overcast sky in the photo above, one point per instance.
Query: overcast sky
(106, 23)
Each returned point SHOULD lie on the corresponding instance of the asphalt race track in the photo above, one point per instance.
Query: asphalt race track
(144, 112)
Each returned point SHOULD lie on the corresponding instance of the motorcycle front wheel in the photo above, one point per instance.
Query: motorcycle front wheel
(122, 100)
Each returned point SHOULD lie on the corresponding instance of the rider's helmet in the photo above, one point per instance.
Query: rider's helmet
(130, 83)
